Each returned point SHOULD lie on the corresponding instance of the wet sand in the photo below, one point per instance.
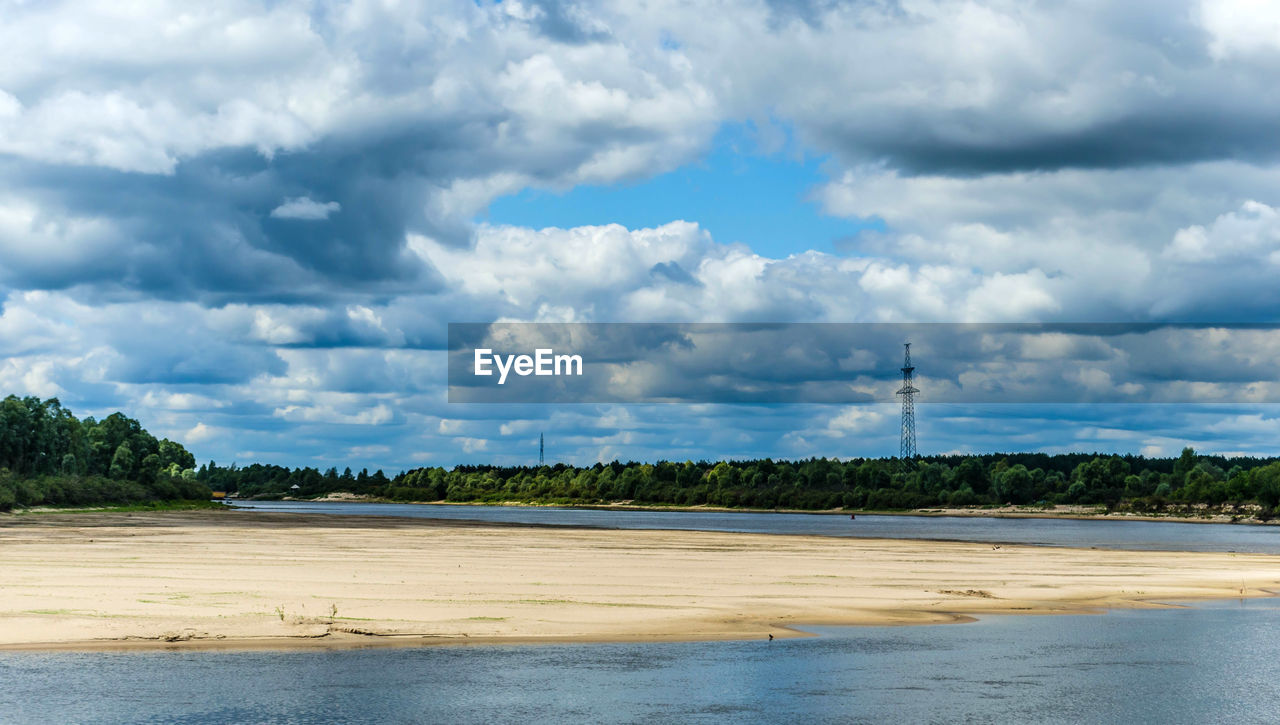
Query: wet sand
(240, 580)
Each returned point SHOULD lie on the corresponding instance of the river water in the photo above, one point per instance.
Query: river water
(1216, 662)
(1105, 534)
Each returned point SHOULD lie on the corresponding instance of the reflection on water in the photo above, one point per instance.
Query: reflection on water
(1215, 662)
(1141, 535)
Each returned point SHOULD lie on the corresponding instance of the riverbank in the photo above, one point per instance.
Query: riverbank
(198, 505)
(216, 579)
(1201, 515)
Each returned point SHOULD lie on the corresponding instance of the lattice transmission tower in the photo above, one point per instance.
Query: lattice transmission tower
(907, 448)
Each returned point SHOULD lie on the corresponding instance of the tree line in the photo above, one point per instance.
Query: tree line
(1137, 483)
(50, 457)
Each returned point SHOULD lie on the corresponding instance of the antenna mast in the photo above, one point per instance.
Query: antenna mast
(540, 450)
(907, 448)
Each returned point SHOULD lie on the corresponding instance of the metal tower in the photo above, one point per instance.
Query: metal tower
(540, 450)
(907, 449)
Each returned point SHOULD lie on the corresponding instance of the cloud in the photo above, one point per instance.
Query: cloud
(164, 156)
(1122, 244)
(181, 401)
(199, 433)
(333, 408)
(1251, 233)
(856, 421)
(984, 87)
(305, 208)
(251, 222)
(1240, 28)
(472, 445)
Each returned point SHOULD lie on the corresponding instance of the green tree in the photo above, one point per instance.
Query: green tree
(121, 462)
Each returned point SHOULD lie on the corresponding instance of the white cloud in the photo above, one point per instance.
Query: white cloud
(199, 433)
(856, 420)
(305, 208)
(164, 400)
(356, 412)
(472, 445)
(1250, 233)
(1241, 27)
(366, 452)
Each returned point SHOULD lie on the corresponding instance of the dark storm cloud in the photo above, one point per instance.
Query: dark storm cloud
(1163, 135)
(207, 230)
(968, 89)
(202, 363)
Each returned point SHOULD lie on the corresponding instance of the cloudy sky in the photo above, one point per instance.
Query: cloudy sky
(248, 223)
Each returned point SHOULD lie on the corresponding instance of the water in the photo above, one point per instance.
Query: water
(1212, 663)
(1134, 535)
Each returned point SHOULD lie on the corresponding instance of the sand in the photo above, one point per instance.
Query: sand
(250, 579)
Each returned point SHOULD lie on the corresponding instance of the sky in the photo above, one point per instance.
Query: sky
(248, 224)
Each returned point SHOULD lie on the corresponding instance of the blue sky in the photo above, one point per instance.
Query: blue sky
(250, 230)
(737, 190)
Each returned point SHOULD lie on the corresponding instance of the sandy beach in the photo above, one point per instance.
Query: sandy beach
(250, 579)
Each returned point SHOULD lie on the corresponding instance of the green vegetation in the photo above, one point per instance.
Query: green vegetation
(1131, 483)
(49, 457)
(178, 505)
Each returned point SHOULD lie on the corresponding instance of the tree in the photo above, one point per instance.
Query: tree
(149, 468)
(972, 474)
(1183, 466)
(1076, 491)
(121, 463)
(1014, 485)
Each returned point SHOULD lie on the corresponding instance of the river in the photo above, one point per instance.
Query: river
(1214, 662)
(1106, 534)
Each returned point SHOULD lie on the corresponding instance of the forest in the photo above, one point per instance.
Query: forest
(1250, 486)
(50, 457)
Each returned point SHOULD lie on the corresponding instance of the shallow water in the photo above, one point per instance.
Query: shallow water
(1138, 535)
(1211, 663)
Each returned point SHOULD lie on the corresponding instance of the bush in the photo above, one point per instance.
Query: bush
(7, 498)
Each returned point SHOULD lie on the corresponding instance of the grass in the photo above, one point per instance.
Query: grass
(126, 508)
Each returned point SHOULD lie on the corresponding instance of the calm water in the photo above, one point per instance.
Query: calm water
(1140, 535)
(1212, 663)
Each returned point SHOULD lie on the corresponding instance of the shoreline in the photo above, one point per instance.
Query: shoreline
(199, 580)
(1074, 513)
(339, 640)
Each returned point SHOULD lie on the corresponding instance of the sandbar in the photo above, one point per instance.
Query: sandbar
(245, 580)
